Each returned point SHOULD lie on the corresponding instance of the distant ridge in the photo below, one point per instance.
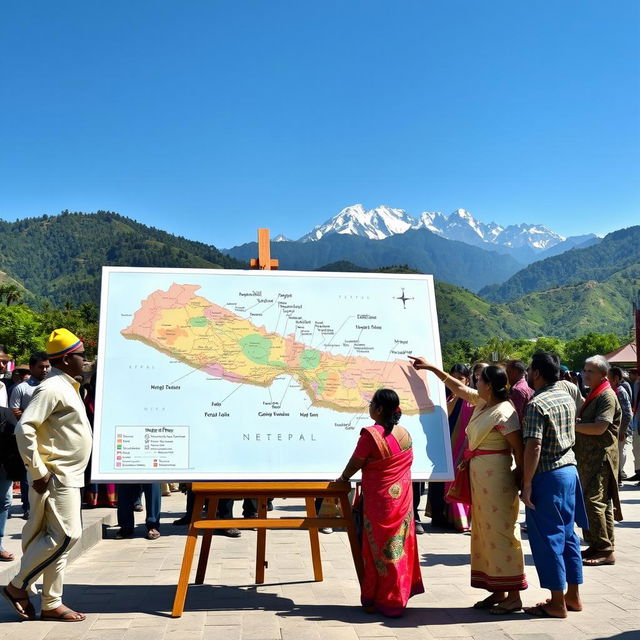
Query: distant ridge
(448, 260)
(615, 252)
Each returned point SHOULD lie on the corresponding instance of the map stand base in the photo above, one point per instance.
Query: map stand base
(213, 491)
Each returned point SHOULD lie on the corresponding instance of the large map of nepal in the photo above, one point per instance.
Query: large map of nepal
(213, 339)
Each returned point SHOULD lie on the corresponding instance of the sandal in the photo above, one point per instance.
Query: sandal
(66, 615)
(6, 556)
(540, 612)
(501, 610)
(599, 561)
(487, 603)
(26, 613)
(153, 534)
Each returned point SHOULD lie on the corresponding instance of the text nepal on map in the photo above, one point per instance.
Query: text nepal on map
(223, 344)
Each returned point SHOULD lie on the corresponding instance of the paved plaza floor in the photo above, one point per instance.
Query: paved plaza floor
(126, 587)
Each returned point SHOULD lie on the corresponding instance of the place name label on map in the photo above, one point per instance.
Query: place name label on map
(279, 437)
(398, 350)
(165, 387)
(217, 414)
(140, 448)
(273, 414)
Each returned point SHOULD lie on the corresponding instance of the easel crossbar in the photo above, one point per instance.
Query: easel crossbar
(272, 523)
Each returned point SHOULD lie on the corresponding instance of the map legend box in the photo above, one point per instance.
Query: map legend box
(152, 447)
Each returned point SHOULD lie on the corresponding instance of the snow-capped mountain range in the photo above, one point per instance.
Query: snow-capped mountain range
(382, 222)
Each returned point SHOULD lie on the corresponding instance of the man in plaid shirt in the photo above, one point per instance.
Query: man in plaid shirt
(551, 489)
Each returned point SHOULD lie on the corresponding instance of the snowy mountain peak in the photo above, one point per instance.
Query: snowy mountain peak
(382, 222)
(375, 224)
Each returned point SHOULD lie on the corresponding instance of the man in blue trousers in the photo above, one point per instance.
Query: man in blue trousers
(551, 489)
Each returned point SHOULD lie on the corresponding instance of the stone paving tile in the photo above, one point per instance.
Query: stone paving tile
(127, 589)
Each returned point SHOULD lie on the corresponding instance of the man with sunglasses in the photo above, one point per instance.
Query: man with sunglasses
(54, 439)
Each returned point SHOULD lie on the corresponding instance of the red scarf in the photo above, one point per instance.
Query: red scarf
(594, 393)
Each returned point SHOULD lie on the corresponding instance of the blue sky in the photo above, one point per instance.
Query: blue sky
(210, 119)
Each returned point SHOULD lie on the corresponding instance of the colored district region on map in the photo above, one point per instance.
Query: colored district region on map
(215, 340)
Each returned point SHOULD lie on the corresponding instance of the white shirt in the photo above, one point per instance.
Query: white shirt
(54, 434)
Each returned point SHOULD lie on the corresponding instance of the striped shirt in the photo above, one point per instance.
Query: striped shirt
(550, 417)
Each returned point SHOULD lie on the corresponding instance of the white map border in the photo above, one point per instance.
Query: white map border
(434, 384)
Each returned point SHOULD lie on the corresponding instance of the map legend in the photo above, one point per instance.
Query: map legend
(152, 447)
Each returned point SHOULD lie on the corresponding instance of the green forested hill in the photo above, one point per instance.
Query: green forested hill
(572, 310)
(616, 251)
(60, 257)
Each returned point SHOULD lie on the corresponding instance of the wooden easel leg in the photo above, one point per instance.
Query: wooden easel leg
(206, 542)
(314, 540)
(187, 560)
(261, 542)
(356, 550)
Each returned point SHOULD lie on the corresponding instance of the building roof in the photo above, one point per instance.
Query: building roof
(624, 355)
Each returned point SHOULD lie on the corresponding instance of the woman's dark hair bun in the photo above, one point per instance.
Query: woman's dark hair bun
(496, 377)
(388, 401)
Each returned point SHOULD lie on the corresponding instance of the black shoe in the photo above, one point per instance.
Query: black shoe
(229, 533)
(25, 515)
(181, 522)
(124, 533)
(419, 528)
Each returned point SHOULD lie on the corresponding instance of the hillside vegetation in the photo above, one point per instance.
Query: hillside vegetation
(60, 257)
(616, 252)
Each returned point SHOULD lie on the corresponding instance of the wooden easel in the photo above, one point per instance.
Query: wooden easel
(213, 491)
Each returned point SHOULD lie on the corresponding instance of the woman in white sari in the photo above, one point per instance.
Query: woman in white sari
(494, 439)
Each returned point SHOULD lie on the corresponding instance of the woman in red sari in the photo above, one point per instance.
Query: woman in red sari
(389, 547)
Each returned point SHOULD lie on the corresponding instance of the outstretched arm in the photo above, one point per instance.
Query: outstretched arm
(455, 385)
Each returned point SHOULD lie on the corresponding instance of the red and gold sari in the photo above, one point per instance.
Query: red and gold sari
(389, 546)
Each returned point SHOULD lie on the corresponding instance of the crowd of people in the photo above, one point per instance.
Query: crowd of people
(532, 432)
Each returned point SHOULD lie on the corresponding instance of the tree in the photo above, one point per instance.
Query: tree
(21, 331)
(591, 344)
(11, 294)
(551, 345)
(462, 351)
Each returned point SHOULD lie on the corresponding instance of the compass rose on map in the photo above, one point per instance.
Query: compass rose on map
(404, 299)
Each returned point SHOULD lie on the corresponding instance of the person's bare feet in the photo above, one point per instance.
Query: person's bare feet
(18, 594)
(571, 603)
(62, 614)
(547, 609)
(19, 600)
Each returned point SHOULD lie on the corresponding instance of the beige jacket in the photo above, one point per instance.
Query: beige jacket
(54, 434)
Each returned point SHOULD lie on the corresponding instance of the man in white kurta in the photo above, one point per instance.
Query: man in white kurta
(54, 438)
